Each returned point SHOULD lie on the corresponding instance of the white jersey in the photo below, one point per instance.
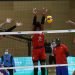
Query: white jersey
(53, 44)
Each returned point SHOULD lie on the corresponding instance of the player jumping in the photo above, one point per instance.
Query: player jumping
(38, 52)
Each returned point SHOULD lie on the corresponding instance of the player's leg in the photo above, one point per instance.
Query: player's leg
(10, 71)
(64, 70)
(43, 69)
(35, 58)
(54, 60)
(50, 59)
(43, 61)
(35, 69)
(50, 62)
(35, 63)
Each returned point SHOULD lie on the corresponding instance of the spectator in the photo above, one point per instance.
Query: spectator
(61, 53)
(48, 48)
(8, 61)
(51, 55)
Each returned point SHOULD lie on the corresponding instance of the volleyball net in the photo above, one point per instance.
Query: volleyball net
(19, 45)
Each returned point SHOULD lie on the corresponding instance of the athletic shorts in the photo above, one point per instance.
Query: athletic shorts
(62, 70)
(38, 54)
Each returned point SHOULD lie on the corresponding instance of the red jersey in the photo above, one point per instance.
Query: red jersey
(60, 54)
(38, 40)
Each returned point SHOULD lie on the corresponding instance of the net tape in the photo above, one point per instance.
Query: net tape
(27, 67)
(33, 32)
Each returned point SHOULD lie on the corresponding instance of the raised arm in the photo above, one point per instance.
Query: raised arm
(35, 16)
(44, 13)
(13, 27)
(70, 22)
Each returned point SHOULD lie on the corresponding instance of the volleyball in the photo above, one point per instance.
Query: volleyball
(49, 19)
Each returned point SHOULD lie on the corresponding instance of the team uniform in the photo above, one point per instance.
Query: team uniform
(61, 58)
(38, 52)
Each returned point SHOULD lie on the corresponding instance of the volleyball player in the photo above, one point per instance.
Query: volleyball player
(38, 52)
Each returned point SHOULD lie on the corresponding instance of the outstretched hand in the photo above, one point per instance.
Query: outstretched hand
(8, 20)
(44, 11)
(35, 11)
(19, 24)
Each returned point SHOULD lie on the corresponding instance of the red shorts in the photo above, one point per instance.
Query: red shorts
(38, 54)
